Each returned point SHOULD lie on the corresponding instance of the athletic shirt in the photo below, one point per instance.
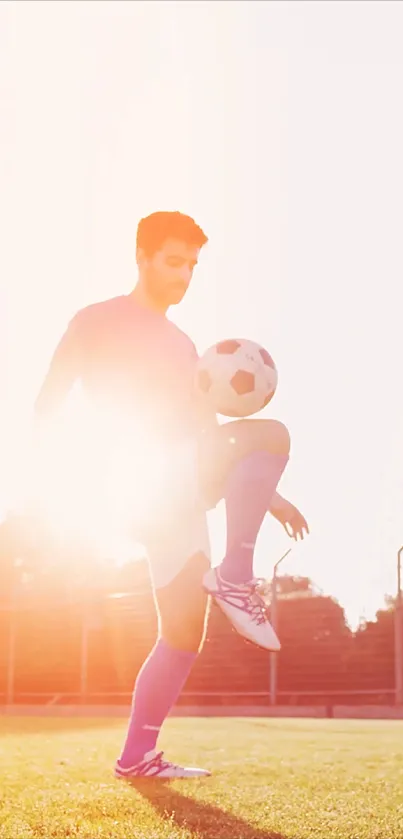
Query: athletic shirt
(133, 364)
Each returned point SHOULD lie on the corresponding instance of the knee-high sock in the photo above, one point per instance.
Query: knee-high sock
(248, 493)
(157, 688)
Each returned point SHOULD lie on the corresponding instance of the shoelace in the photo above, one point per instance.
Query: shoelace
(159, 764)
(251, 597)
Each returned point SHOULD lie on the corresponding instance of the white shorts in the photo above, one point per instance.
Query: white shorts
(168, 552)
(172, 524)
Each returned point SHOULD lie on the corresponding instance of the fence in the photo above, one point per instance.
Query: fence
(89, 651)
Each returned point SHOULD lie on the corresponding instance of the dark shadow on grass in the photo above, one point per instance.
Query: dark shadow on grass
(207, 821)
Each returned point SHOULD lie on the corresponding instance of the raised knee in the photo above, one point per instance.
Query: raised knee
(278, 436)
(256, 434)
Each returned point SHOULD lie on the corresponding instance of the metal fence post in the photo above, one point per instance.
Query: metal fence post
(273, 621)
(84, 658)
(11, 657)
(399, 635)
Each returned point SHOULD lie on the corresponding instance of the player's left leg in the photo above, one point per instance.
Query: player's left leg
(231, 443)
(178, 551)
(243, 462)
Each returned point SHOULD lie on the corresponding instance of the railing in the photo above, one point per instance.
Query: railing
(188, 697)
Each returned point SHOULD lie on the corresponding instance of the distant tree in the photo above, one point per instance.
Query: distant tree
(296, 585)
(315, 640)
(371, 658)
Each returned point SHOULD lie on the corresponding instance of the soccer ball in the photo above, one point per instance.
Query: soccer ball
(237, 377)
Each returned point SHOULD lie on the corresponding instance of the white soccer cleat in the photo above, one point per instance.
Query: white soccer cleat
(245, 607)
(153, 765)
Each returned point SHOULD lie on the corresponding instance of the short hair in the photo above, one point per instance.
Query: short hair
(154, 230)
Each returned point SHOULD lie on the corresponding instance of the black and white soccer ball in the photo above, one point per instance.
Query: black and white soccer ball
(238, 377)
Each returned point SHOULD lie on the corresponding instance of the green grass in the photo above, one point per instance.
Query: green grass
(273, 779)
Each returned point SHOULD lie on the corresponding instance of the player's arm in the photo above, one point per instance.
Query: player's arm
(289, 516)
(63, 372)
(206, 417)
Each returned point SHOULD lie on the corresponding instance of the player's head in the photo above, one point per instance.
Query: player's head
(168, 245)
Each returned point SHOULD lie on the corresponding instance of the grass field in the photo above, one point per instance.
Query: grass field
(273, 779)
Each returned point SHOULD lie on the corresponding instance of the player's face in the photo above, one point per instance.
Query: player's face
(167, 274)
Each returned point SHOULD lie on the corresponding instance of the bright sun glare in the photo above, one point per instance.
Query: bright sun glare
(94, 473)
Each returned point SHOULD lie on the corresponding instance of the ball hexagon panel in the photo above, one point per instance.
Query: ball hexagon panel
(243, 382)
(267, 358)
(227, 347)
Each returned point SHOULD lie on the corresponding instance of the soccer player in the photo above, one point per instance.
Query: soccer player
(135, 363)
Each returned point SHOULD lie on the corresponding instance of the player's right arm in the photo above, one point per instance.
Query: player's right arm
(206, 417)
(64, 370)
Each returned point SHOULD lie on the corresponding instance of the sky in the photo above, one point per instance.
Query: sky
(279, 128)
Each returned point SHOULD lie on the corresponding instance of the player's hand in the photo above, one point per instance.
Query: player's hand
(294, 523)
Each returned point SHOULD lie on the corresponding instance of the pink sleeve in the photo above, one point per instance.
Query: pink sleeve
(64, 370)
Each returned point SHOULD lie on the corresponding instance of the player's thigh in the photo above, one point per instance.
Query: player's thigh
(179, 556)
(226, 445)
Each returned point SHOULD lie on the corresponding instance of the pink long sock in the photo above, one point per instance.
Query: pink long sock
(157, 688)
(249, 491)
